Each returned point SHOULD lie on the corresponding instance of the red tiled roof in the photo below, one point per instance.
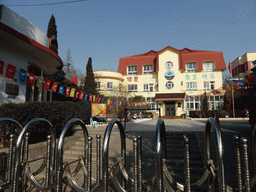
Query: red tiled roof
(185, 55)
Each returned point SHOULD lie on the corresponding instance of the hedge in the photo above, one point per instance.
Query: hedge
(58, 113)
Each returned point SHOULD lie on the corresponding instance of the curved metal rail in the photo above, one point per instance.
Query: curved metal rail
(59, 155)
(17, 155)
(212, 125)
(105, 151)
(7, 183)
(160, 154)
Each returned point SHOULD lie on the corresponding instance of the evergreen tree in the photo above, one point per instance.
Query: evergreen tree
(204, 105)
(89, 83)
(52, 31)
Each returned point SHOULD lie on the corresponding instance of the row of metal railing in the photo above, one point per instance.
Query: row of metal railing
(58, 175)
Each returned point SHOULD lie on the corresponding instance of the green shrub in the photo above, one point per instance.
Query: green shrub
(58, 113)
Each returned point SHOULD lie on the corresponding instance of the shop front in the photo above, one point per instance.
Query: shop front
(170, 104)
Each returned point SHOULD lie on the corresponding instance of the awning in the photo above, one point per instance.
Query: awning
(170, 97)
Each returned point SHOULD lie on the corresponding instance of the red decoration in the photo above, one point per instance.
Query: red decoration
(90, 97)
(229, 67)
(96, 99)
(10, 71)
(1, 67)
(31, 79)
(47, 84)
(54, 87)
(111, 101)
(67, 91)
(74, 79)
(81, 95)
(77, 94)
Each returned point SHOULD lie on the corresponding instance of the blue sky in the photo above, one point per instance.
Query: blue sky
(107, 30)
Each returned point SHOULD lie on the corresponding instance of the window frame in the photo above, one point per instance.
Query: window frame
(149, 87)
(209, 85)
(208, 62)
(149, 71)
(192, 103)
(108, 86)
(98, 85)
(190, 86)
(132, 72)
(132, 87)
(192, 69)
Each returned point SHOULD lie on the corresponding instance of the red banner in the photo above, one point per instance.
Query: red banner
(67, 90)
(31, 79)
(96, 99)
(90, 97)
(81, 95)
(77, 94)
(54, 87)
(10, 71)
(47, 84)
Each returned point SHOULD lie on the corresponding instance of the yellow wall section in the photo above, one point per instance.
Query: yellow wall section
(169, 55)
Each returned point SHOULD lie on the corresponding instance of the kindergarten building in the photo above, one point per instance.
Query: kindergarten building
(25, 59)
(171, 79)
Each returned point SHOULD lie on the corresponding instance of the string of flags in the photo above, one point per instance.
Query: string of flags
(60, 88)
(12, 73)
(240, 83)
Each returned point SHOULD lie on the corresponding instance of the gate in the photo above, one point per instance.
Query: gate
(58, 176)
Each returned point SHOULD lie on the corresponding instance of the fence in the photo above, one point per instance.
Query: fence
(115, 178)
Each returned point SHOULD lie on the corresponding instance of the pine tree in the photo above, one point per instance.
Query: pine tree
(89, 83)
(52, 31)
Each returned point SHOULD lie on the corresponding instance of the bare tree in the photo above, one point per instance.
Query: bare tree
(69, 68)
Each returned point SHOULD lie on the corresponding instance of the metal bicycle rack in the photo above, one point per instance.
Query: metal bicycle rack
(58, 175)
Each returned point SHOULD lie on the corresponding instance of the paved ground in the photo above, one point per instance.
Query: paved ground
(146, 128)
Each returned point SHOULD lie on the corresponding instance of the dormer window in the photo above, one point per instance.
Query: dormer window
(148, 69)
(190, 67)
(208, 66)
(132, 70)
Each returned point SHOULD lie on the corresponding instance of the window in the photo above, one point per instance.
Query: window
(215, 102)
(252, 65)
(192, 103)
(191, 86)
(169, 85)
(98, 85)
(132, 70)
(190, 67)
(132, 88)
(148, 69)
(148, 87)
(109, 85)
(168, 65)
(208, 66)
(209, 85)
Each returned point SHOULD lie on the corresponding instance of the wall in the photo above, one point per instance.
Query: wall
(174, 58)
(18, 60)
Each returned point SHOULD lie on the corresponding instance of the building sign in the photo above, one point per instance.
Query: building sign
(12, 89)
(169, 75)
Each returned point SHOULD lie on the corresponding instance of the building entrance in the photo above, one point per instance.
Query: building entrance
(170, 109)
